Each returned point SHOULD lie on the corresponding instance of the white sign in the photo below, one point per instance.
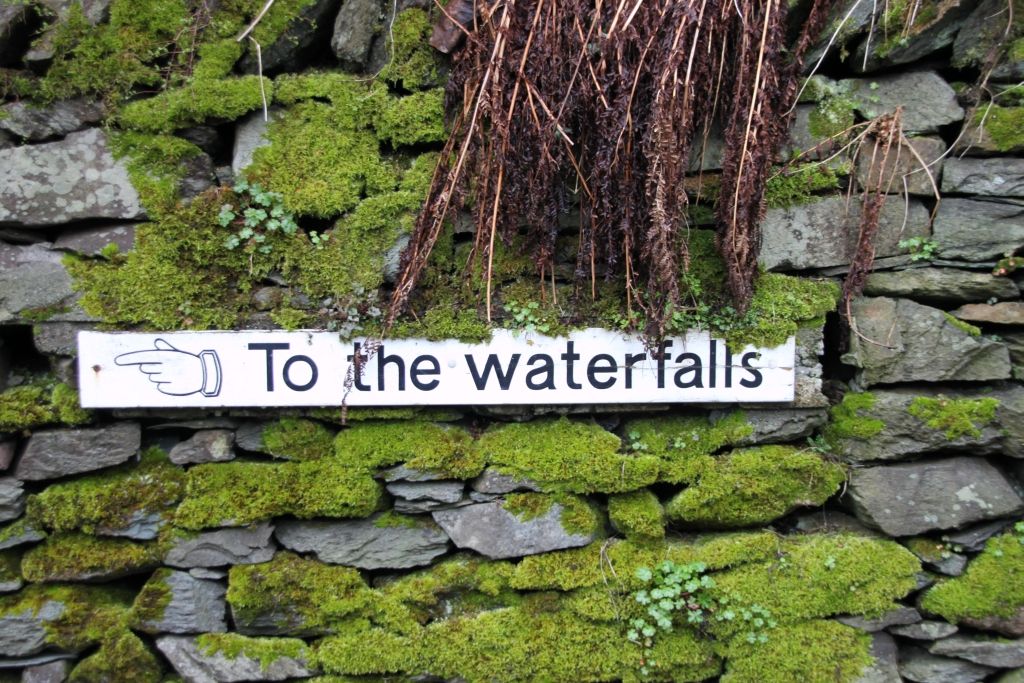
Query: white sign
(276, 368)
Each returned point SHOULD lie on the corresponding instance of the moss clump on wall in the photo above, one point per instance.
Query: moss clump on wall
(449, 451)
(412, 120)
(637, 515)
(69, 557)
(755, 486)
(684, 444)
(89, 614)
(797, 185)
(38, 404)
(992, 586)
(223, 99)
(963, 326)
(566, 455)
(156, 167)
(781, 305)
(266, 651)
(577, 516)
(152, 601)
(295, 439)
(1004, 125)
(956, 417)
(848, 422)
(121, 658)
(110, 500)
(819, 651)
(412, 64)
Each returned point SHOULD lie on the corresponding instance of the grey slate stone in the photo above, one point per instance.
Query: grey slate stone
(1012, 625)
(915, 498)
(243, 545)
(425, 496)
(927, 100)
(7, 448)
(194, 606)
(354, 30)
(12, 499)
(925, 630)
(919, 666)
(207, 445)
(491, 530)
(1002, 313)
(14, 17)
(823, 233)
(32, 122)
(903, 165)
(403, 473)
(300, 35)
(143, 525)
(204, 573)
(917, 343)
(60, 452)
(894, 617)
(250, 135)
(63, 181)
(940, 286)
(929, 36)
(364, 544)
(195, 666)
(58, 338)
(51, 672)
(778, 425)
(24, 532)
(491, 481)
(1003, 654)
(884, 667)
(978, 229)
(24, 633)
(1002, 177)
(973, 539)
(810, 347)
(33, 286)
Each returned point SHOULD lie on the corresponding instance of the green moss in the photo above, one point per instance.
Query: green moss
(577, 516)
(412, 63)
(351, 652)
(798, 185)
(264, 650)
(302, 596)
(963, 326)
(156, 167)
(152, 601)
(449, 451)
(566, 455)
(18, 528)
(444, 322)
(1015, 52)
(832, 117)
(110, 500)
(992, 585)
(683, 444)
(956, 417)
(10, 567)
(294, 439)
(40, 403)
(90, 614)
(820, 651)
(781, 305)
(239, 493)
(848, 421)
(413, 119)
(122, 658)
(637, 514)
(755, 486)
(217, 58)
(222, 99)
(1004, 125)
(71, 557)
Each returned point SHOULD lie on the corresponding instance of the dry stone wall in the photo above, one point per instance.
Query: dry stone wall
(871, 531)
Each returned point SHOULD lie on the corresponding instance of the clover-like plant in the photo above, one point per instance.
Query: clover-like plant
(255, 215)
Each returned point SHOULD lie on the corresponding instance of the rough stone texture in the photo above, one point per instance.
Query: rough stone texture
(934, 34)
(24, 633)
(823, 233)
(491, 481)
(198, 176)
(978, 32)
(364, 544)
(249, 437)
(1005, 313)
(403, 473)
(978, 230)
(940, 286)
(928, 102)
(195, 666)
(780, 425)
(207, 445)
(810, 346)
(904, 165)
(491, 530)
(354, 30)
(977, 141)
(195, 606)
(303, 32)
(915, 498)
(31, 279)
(32, 122)
(900, 616)
(1002, 654)
(63, 181)
(1002, 177)
(919, 666)
(28, 534)
(51, 672)
(141, 526)
(973, 540)
(250, 135)
(917, 343)
(884, 667)
(925, 630)
(1012, 625)
(243, 545)
(425, 496)
(12, 499)
(60, 452)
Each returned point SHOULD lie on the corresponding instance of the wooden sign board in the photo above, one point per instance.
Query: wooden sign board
(309, 368)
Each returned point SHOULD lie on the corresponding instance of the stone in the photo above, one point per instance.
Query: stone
(195, 666)
(205, 138)
(51, 672)
(55, 453)
(33, 286)
(1003, 654)
(810, 347)
(250, 135)
(830, 522)
(915, 498)
(192, 606)
(425, 496)
(927, 36)
(12, 499)
(197, 176)
(823, 233)
(249, 437)
(973, 540)
(7, 448)
(141, 526)
(1002, 177)
(940, 286)
(305, 30)
(491, 481)
(927, 100)
(778, 425)
(919, 666)
(27, 532)
(207, 445)
(916, 167)
(978, 229)
(894, 617)
(60, 182)
(367, 543)
(24, 633)
(14, 31)
(1012, 625)
(925, 630)
(354, 30)
(898, 340)
(846, 19)
(403, 473)
(978, 33)
(884, 666)
(1015, 342)
(393, 259)
(976, 140)
(940, 557)
(1005, 313)
(33, 122)
(491, 530)
(241, 545)
(204, 573)
(58, 338)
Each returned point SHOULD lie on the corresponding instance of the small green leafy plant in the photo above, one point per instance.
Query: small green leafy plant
(636, 444)
(527, 316)
(255, 215)
(1008, 265)
(920, 248)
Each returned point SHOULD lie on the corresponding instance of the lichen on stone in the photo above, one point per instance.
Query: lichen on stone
(955, 417)
(155, 166)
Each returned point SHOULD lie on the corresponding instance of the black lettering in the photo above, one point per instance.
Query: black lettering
(754, 372)
(548, 369)
(728, 367)
(695, 367)
(662, 356)
(631, 360)
(713, 364)
(269, 348)
(312, 373)
(357, 371)
(569, 356)
(504, 376)
(415, 372)
(593, 369)
(382, 361)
